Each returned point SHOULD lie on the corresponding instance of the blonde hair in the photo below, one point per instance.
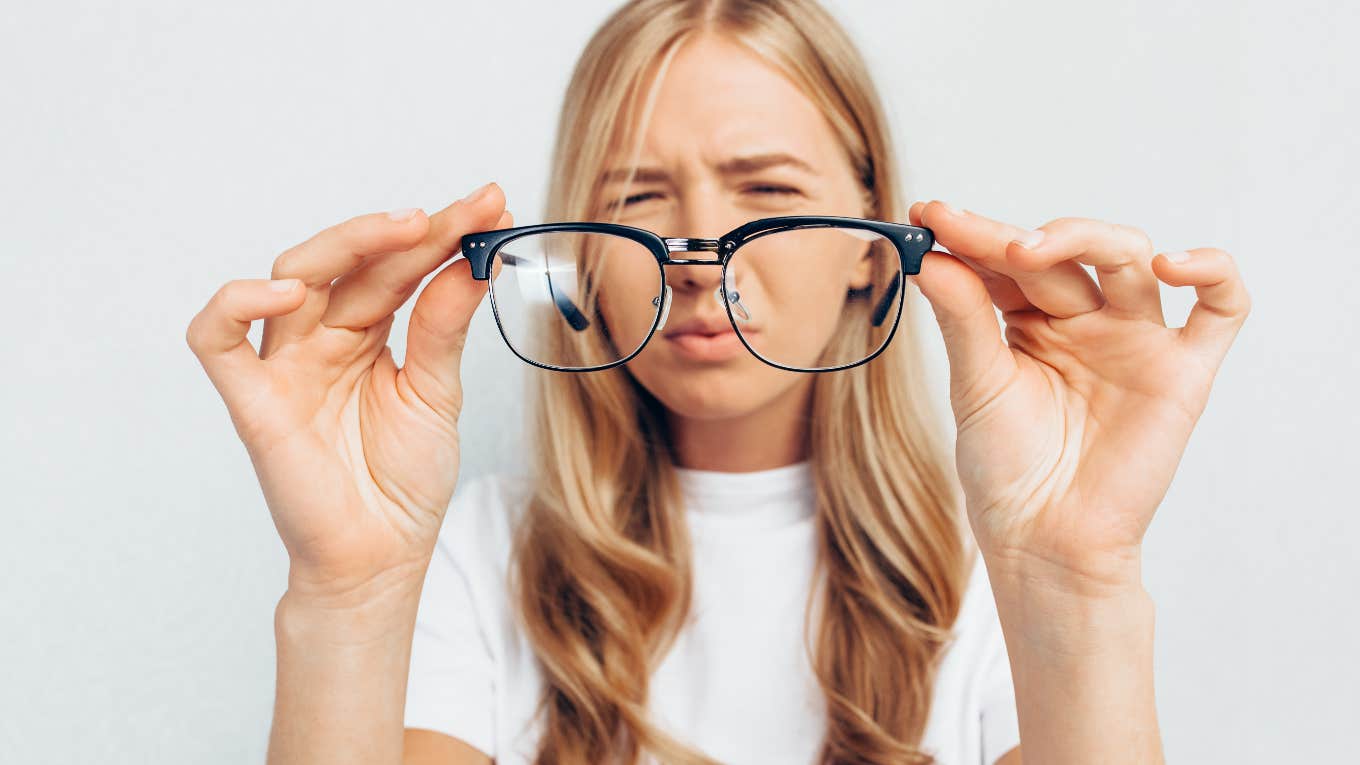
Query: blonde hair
(602, 567)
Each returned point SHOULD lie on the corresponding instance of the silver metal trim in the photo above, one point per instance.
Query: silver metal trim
(681, 244)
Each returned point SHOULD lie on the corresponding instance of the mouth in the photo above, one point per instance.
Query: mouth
(707, 345)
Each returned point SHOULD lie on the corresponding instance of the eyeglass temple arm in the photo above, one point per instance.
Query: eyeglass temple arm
(575, 319)
(885, 303)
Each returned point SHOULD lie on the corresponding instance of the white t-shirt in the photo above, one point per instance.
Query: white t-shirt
(737, 683)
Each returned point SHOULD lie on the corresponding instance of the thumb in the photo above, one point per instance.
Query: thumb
(966, 315)
(438, 331)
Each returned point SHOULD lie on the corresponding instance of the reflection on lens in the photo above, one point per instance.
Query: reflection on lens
(816, 298)
(575, 300)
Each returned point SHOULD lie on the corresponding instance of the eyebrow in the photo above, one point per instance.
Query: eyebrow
(734, 166)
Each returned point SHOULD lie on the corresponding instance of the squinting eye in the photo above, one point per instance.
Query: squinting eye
(774, 190)
(633, 199)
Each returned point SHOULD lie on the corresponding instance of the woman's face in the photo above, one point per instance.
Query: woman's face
(731, 140)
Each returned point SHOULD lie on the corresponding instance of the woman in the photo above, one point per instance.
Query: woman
(643, 595)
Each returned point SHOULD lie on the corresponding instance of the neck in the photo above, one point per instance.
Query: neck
(772, 436)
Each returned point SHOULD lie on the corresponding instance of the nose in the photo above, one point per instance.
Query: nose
(702, 212)
(680, 277)
(697, 265)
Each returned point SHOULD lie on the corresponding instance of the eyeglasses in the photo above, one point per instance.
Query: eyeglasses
(801, 293)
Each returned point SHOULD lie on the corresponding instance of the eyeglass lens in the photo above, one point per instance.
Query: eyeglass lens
(808, 299)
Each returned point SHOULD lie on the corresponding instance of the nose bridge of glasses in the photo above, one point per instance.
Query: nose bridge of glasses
(682, 244)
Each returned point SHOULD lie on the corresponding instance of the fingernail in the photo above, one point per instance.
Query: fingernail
(1180, 256)
(478, 193)
(1030, 239)
(282, 285)
(405, 213)
(947, 208)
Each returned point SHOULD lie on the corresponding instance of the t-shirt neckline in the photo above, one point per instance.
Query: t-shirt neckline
(768, 498)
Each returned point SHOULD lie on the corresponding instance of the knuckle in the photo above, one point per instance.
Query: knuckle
(1244, 299)
(445, 334)
(936, 206)
(1141, 241)
(351, 233)
(1070, 225)
(1241, 301)
(285, 265)
(225, 295)
(1224, 263)
(193, 334)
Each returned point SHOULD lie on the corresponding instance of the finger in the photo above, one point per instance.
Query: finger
(1223, 302)
(1121, 256)
(330, 254)
(914, 213)
(967, 320)
(1005, 293)
(217, 334)
(1062, 291)
(383, 284)
(438, 332)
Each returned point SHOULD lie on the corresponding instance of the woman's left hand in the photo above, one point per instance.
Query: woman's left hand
(1070, 429)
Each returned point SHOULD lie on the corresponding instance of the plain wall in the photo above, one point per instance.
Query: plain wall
(150, 151)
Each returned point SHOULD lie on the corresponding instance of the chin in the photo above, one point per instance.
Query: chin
(718, 391)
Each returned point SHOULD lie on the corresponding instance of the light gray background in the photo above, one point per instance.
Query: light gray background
(151, 151)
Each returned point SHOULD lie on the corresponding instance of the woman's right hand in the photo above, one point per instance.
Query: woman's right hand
(357, 458)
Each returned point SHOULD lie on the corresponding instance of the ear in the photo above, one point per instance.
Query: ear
(862, 272)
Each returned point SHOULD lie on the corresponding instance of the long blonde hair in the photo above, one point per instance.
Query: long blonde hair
(602, 567)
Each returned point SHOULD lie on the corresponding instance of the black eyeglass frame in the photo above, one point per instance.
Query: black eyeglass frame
(912, 243)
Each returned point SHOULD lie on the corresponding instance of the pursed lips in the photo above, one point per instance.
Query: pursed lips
(700, 340)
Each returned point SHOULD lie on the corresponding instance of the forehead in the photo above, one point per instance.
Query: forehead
(718, 98)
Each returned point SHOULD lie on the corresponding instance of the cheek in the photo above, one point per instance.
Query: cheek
(811, 294)
(800, 279)
(626, 281)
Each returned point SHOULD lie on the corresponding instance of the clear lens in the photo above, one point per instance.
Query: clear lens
(816, 298)
(575, 300)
